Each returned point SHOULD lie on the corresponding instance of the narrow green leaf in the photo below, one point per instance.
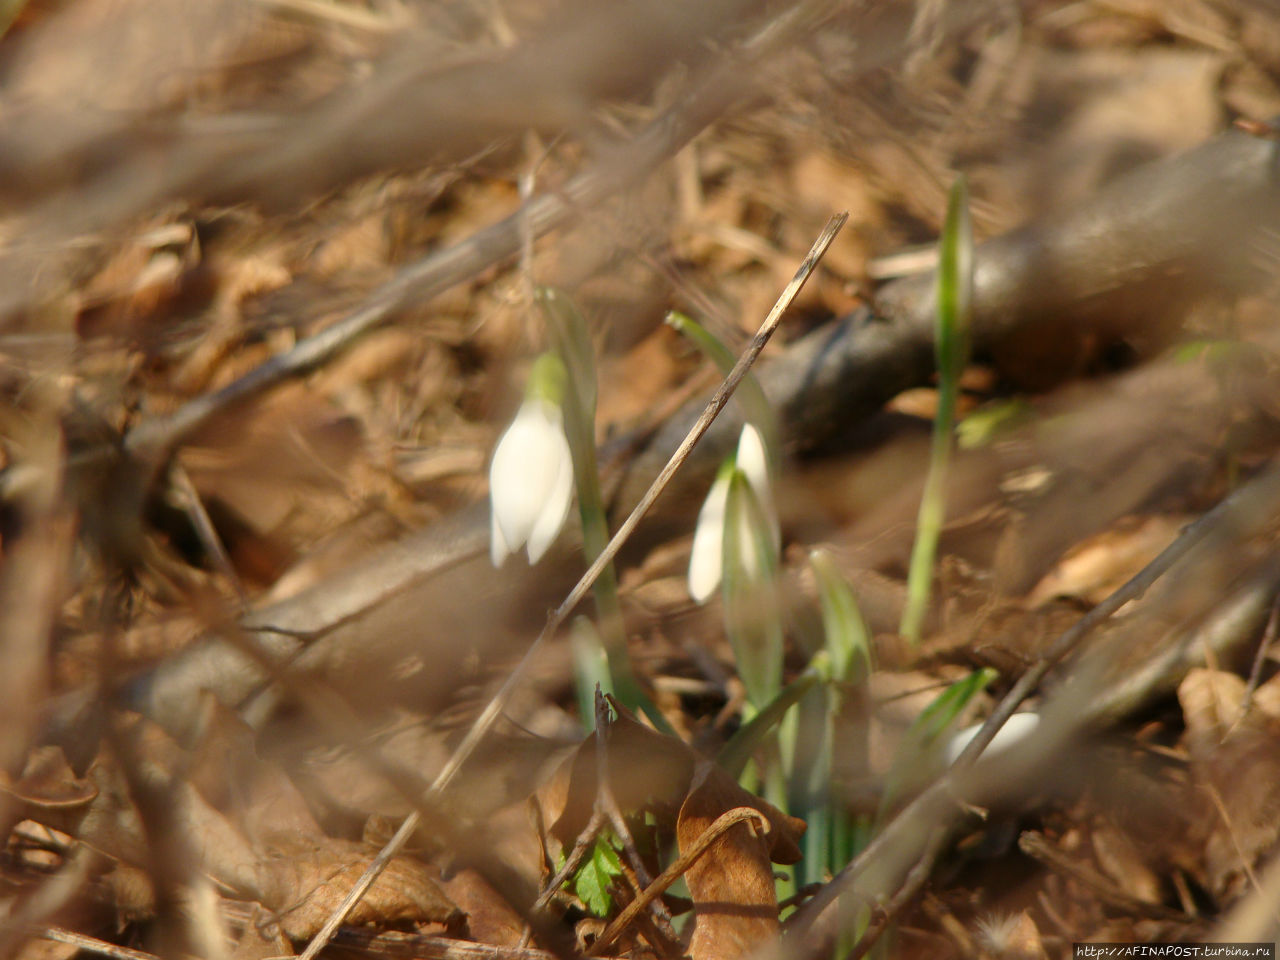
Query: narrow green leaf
(809, 795)
(936, 718)
(846, 637)
(914, 758)
(751, 736)
(951, 346)
(955, 284)
(990, 421)
(753, 620)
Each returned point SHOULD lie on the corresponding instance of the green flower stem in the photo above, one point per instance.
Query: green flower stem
(810, 789)
(572, 343)
(954, 298)
(929, 521)
(753, 621)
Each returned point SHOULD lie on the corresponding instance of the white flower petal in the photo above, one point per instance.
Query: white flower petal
(557, 498)
(499, 549)
(707, 554)
(530, 481)
(1015, 730)
(753, 461)
(748, 553)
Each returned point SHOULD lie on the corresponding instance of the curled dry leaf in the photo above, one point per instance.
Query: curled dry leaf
(735, 905)
(229, 774)
(47, 782)
(734, 901)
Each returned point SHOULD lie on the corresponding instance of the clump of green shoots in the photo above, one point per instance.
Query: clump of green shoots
(951, 347)
(787, 743)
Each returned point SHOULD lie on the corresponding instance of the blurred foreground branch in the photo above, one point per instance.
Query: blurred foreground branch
(1135, 663)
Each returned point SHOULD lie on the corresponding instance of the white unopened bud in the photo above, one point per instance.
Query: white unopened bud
(706, 559)
(530, 480)
(1016, 729)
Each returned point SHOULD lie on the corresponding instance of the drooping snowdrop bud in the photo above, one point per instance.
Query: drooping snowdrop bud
(1016, 729)
(706, 560)
(531, 476)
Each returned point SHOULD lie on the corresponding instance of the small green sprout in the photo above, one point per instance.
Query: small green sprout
(951, 347)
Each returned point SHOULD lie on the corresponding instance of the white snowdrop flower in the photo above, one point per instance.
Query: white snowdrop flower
(707, 556)
(1015, 730)
(531, 477)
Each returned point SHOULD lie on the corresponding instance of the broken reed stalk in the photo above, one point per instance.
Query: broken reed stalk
(813, 929)
(87, 944)
(493, 710)
(608, 804)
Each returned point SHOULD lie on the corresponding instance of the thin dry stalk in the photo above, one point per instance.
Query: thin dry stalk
(608, 804)
(882, 916)
(1233, 834)
(90, 944)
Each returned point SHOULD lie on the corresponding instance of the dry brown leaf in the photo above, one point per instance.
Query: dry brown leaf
(1124, 863)
(639, 380)
(1132, 108)
(112, 824)
(1236, 762)
(120, 54)
(261, 939)
(1098, 565)
(140, 283)
(734, 901)
(298, 874)
(295, 872)
(490, 918)
(647, 770)
(1211, 702)
(283, 467)
(47, 783)
(310, 876)
(257, 795)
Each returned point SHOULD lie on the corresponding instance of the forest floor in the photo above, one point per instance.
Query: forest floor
(269, 301)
